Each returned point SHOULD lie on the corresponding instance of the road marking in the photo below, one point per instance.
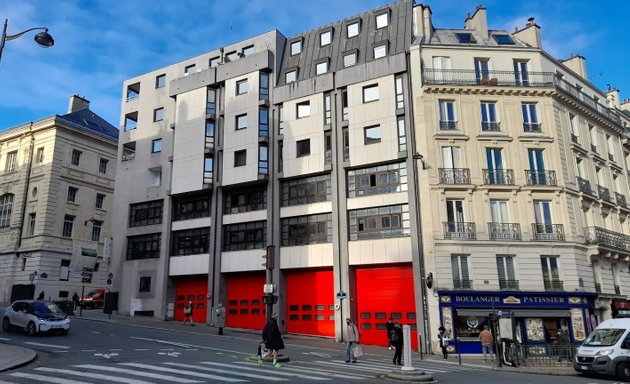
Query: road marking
(320, 371)
(232, 372)
(59, 351)
(172, 354)
(46, 379)
(174, 379)
(4, 339)
(106, 355)
(115, 349)
(275, 372)
(96, 332)
(94, 376)
(166, 349)
(190, 345)
(141, 349)
(46, 345)
(363, 367)
(318, 354)
(88, 350)
(179, 372)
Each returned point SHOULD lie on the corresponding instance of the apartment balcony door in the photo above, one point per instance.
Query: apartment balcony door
(442, 65)
(520, 73)
(536, 166)
(542, 216)
(482, 70)
(499, 211)
(494, 159)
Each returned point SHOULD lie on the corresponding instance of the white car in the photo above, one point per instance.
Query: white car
(35, 316)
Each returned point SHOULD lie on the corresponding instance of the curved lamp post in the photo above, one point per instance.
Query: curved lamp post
(43, 38)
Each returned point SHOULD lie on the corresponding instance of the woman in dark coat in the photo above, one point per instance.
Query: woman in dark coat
(273, 338)
(397, 343)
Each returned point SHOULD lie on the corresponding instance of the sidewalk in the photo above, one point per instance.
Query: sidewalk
(14, 356)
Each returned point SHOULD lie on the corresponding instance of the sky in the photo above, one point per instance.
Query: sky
(101, 43)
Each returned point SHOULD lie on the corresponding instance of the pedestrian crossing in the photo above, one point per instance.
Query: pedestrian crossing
(235, 371)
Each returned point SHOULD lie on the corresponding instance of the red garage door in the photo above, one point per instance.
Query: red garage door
(193, 288)
(383, 293)
(310, 303)
(245, 308)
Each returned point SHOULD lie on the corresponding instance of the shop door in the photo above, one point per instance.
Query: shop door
(310, 303)
(245, 308)
(383, 293)
(195, 289)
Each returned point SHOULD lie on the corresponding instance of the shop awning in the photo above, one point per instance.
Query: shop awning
(541, 313)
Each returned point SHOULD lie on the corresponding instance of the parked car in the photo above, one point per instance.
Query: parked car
(35, 317)
(606, 350)
(93, 299)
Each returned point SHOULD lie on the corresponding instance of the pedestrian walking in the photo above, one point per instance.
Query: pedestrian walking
(188, 313)
(352, 337)
(443, 337)
(390, 327)
(562, 345)
(487, 340)
(75, 300)
(220, 319)
(273, 340)
(397, 343)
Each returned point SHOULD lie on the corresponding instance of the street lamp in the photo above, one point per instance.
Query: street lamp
(43, 38)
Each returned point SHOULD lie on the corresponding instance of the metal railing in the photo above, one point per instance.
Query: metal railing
(553, 285)
(454, 176)
(498, 177)
(504, 231)
(459, 230)
(448, 125)
(583, 97)
(532, 127)
(434, 76)
(508, 285)
(621, 200)
(550, 355)
(584, 186)
(603, 193)
(490, 126)
(462, 284)
(541, 178)
(548, 232)
(606, 238)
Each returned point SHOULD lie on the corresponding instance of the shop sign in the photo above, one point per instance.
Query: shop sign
(522, 300)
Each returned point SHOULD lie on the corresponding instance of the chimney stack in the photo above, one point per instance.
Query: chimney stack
(530, 35)
(478, 21)
(78, 103)
(424, 24)
(577, 64)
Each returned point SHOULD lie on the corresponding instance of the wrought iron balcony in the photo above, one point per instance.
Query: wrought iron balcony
(498, 177)
(584, 185)
(621, 200)
(462, 284)
(504, 231)
(604, 193)
(575, 139)
(548, 232)
(606, 238)
(532, 127)
(586, 99)
(434, 76)
(459, 230)
(553, 285)
(490, 126)
(454, 176)
(541, 178)
(448, 125)
(508, 285)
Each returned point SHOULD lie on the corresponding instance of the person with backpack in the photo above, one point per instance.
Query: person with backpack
(396, 339)
(273, 340)
(188, 312)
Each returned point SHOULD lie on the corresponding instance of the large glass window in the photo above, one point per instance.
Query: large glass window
(190, 242)
(102, 166)
(191, 207)
(263, 122)
(305, 190)
(158, 114)
(96, 230)
(6, 207)
(370, 93)
(291, 76)
(146, 213)
(349, 59)
(160, 81)
(379, 223)
(242, 87)
(325, 38)
(264, 87)
(380, 51)
(144, 246)
(530, 117)
(244, 236)
(400, 97)
(447, 115)
(303, 109)
(296, 47)
(76, 157)
(263, 159)
(505, 271)
(68, 224)
(304, 230)
(303, 147)
(241, 121)
(100, 201)
(321, 68)
(489, 120)
(382, 20)
(461, 276)
(72, 194)
(388, 178)
(245, 201)
(372, 135)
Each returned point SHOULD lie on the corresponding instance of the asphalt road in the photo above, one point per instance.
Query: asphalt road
(98, 352)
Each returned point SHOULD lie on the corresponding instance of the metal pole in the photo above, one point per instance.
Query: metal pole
(81, 306)
(4, 37)
(407, 349)
(459, 351)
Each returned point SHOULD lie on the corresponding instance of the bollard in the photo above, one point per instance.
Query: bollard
(407, 348)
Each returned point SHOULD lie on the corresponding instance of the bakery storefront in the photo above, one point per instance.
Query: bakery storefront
(532, 318)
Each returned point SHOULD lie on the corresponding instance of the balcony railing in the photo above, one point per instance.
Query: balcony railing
(508, 285)
(448, 125)
(498, 177)
(490, 126)
(494, 78)
(462, 284)
(454, 176)
(583, 97)
(532, 127)
(459, 230)
(584, 186)
(553, 285)
(541, 178)
(548, 232)
(621, 200)
(603, 193)
(504, 231)
(606, 238)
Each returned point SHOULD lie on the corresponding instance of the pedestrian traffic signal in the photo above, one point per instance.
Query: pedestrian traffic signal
(270, 299)
(109, 281)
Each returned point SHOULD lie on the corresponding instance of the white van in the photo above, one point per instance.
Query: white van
(606, 350)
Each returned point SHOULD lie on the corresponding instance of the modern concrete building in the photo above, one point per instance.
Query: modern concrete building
(56, 188)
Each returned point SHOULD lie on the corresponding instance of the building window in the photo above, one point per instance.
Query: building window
(505, 271)
(263, 122)
(321, 68)
(190, 242)
(11, 164)
(280, 155)
(76, 157)
(400, 97)
(303, 147)
(380, 51)
(264, 87)
(482, 70)
(349, 59)
(102, 166)
(327, 109)
(530, 117)
(129, 151)
(379, 222)
(245, 201)
(72, 194)
(154, 177)
(346, 143)
(242, 87)
(402, 135)
(158, 114)
(133, 91)
(461, 275)
(382, 20)
(160, 81)
(240, 158)
(305, 190)
(447, 115)
(230, 56)
(503, 39)
(550, 271)
(241, 121)
(280, 119)
(244, 236)
(6, 207)
(100, 201)
(131, 121)
(521, 76)
(370, 93)
(209, 133)
(156, 146)
(214, 62)
(68, 223)
(144, 246)
(263, 159)
(328, 147)
(353, 29)
(296, 47)
(465, 38)
(211, 105)
(144, 285)
(208, 172)
(372, 135)
(39, 157)
(325, 38)
(248, 51)
(31, 223)
(146, 213)
(189, 69)
(378, 180)
(96, 230)
(304, 230)
(191, 207)
(303, 109)
(344, 105)
(489, 120)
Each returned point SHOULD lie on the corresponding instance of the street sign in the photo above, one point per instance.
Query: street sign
(268, 288)
(341, 295)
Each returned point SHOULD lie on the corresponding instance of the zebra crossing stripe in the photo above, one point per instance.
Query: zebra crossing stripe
(174, 379)
(301, 368)
(46, 379)
(359, 366)
(6, 382)
(276, 372)
(251, 375)
(179, 372)
(46, 345)
(94, 376)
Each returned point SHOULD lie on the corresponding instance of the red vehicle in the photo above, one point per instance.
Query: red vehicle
(93, 299)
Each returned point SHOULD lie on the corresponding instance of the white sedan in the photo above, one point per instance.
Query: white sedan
(35, 316)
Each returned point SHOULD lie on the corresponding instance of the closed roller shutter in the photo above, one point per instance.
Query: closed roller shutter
(245, 308)
(195, 289)
(310, 302)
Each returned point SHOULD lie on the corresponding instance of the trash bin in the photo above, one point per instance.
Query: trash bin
(66, 306)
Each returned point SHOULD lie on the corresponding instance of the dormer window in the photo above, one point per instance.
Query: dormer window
(353, 29)
(382, 20)
(325, 38)
(321, 68)
(465, 38)
(503, 39)
(296, 47)
(291, 76)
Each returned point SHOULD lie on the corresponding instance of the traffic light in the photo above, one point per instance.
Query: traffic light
(269, 299)
(109, 281)
(269, 257)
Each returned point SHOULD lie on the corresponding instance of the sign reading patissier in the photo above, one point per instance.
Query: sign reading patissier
(523, 300)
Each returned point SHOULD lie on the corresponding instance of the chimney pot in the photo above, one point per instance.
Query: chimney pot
(531, 19)
(78, 103)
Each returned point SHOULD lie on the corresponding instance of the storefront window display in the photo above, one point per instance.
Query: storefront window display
(469, 327)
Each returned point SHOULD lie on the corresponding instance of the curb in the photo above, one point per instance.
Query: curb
(27, 361)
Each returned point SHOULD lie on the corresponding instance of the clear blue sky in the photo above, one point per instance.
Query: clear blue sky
(100, 43)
